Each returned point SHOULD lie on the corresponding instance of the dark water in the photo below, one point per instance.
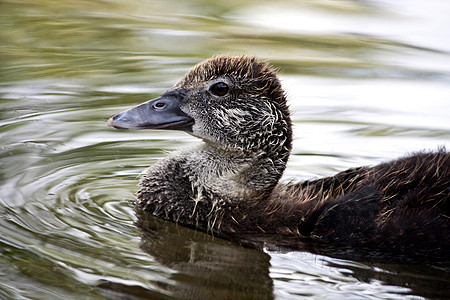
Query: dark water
(367, 81)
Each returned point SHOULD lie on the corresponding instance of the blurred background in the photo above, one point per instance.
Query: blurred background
(366, 81)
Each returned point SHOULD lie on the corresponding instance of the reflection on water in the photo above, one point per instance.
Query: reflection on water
(367, 80)
(207, 267)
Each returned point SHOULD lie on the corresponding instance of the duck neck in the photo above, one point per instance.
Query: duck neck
(224, 184)
(235, 173)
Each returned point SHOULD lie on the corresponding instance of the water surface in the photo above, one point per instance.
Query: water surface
(366, 81)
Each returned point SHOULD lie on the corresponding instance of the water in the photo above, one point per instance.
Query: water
(366, 80)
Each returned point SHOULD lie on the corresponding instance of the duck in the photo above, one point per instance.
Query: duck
(230, 182)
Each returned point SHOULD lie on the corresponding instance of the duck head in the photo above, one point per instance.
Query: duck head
(229, 102)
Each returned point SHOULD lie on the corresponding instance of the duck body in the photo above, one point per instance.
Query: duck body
(399, 206)
(229, 184)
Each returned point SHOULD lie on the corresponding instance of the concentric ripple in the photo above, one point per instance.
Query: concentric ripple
(68, 208)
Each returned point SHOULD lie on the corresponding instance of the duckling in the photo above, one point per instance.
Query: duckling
(230, 183)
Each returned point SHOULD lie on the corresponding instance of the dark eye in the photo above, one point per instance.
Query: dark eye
(219, 89)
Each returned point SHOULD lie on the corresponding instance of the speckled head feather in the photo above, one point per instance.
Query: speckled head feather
(239, 68)
(254, 114)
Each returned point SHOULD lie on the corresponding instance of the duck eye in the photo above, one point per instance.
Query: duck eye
(219, 89)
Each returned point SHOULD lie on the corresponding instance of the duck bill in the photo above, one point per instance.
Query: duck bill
(161, 113)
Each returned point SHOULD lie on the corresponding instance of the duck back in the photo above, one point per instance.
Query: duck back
(400, 206)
